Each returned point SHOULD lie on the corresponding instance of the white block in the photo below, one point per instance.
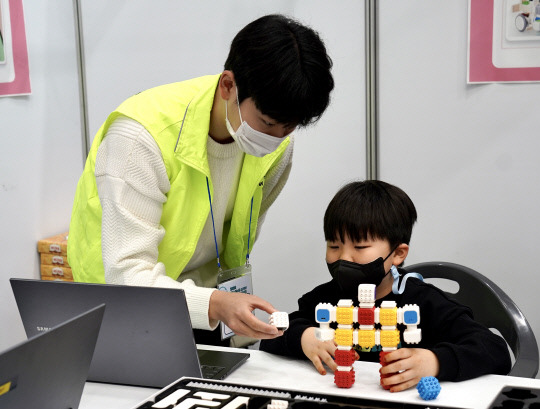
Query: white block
(324, 334)
(280, 320)
(412, 335)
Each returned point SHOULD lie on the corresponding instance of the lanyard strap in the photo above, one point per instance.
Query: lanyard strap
(396, 288)
(214, 226)
(249, 231)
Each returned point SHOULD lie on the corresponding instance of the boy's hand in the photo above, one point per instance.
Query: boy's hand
(318, 351)
(408, 365)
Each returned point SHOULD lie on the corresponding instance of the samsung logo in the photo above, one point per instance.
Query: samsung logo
(43, 329)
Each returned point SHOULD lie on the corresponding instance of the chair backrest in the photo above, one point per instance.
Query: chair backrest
(492, 307)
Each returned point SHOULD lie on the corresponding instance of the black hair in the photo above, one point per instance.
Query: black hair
(370, 209)
(283, 66)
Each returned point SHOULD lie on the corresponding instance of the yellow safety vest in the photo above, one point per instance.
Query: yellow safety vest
(178, 118)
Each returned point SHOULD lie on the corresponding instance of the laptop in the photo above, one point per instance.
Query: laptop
(146, 337)
(48, 371)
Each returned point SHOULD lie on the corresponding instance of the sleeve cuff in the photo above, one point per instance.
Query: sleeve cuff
(294, 339)
(448, 365)
(198, 301)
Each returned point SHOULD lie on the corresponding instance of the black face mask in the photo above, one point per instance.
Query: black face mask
(350, 275)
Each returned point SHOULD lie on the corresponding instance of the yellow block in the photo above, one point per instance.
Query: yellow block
(344, 337)
(389, 338)
(344, 315)
(366, 338)
(388, 316)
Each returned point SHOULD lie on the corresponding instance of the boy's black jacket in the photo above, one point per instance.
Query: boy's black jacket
(465, 348)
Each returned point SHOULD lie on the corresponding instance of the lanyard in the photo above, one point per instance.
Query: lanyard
(396, 289)
(214, 226)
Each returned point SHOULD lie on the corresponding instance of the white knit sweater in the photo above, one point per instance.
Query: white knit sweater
(132, 184)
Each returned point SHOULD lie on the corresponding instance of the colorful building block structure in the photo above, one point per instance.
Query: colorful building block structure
(387, 317)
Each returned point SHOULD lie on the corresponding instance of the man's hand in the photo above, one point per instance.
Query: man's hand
(408, 366)
(235, 310)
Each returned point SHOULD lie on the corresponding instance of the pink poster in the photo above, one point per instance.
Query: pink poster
(504, 41)
(14, 73)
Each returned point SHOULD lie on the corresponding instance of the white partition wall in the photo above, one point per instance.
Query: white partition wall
(41, 155)
(466, 154)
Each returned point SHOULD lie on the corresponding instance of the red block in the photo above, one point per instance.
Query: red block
(381, 360)
(344, 379)
(366, 316)
(345, 358)
(381, 356)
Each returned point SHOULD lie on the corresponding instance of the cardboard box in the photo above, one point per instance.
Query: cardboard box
(54, 245)
(52, 272)
(54, 260)
(53, 255)
(44, 278)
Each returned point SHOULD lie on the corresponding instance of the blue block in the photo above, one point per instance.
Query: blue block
(428, 388)
(323, 315)
(410, 317)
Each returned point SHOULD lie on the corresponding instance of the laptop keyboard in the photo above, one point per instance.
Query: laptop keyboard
(212, 372)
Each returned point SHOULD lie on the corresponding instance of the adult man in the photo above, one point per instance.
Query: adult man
(182, 173)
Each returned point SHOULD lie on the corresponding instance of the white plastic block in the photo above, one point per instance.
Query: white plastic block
(355, 337)
(324, 334)
(388, 304)
(412, 335)
(278, 404)
(280, 320)
(366, 295)
(345, 303)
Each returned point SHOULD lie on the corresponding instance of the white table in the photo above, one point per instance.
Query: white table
(263, 369)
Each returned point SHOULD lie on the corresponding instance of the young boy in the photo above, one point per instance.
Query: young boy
(367, 227)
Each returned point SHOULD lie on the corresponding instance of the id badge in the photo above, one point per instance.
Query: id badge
(235, 280)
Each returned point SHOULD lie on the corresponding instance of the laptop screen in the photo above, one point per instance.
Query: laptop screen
(49, 370)
(146, 337)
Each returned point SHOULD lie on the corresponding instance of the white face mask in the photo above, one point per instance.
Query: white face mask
(249, 140)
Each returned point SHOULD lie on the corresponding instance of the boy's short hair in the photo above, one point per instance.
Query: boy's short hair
(283, 66)
(371, 209)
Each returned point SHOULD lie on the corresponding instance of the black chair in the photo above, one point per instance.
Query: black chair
(492, 307)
